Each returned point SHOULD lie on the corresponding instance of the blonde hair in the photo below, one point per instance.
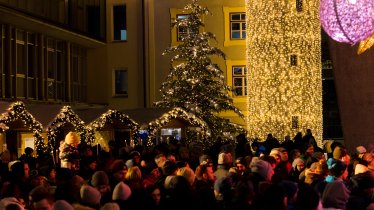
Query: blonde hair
(134, 174)
(187, 173)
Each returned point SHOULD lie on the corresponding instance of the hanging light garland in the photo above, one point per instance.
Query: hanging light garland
(284, 69)
(349, 21)
(17, 111)
(67, 115)
(113, 115)
(177, 112)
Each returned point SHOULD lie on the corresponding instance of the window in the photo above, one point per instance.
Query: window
(295, 122)
(239, 80)
(120, 82)
(119, 23)
(93, 20)
(299, 5)
(237, 25)
(293, 60)
(182, 30)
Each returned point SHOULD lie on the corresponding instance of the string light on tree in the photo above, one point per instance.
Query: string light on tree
(194, 83)
(284, 68)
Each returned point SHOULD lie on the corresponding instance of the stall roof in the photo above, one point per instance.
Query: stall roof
(145, 115)
(44, 113)
(4, 105)
(89, 113)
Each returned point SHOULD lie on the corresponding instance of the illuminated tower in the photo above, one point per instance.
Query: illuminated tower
(284, 68)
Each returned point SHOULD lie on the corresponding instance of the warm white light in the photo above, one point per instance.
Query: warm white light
(280, 94)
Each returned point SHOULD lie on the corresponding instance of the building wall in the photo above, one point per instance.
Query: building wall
(119, 55)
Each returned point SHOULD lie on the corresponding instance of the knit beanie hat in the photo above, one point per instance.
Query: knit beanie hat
(9, 200)
(335, 195)
(187, 173)
(263, 168)
(297, 161)
(168, 181)
(276, 152)
(224, 158)
(121, 192)
(90, 195)
(99, 178)
(72, 138)
(62, 205)
(110, 206)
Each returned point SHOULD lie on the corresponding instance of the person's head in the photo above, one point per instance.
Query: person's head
(184, 153)
(337, 168)
(284, 154)
(241, 164)
(205, 172)
(40, 198)
(119, 170)
(298, 164)
(187, 173)
(72, 139)
(308, 198)
(155, 193)
(134, 174)
(276, 154)
(28, 151)
(160, 160)
(100, 181)
(309, 150)
(136, 157)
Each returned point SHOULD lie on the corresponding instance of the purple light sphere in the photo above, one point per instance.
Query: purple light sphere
(348, 21)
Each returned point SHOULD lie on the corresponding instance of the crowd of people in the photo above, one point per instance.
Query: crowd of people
(294, 174)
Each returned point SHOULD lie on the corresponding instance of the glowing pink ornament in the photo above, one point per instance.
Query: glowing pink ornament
(348, 21)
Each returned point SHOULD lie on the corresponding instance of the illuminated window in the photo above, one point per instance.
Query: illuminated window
(299, 5)
(237, 25)
(182, 30)
(239, 81)
(293, 60)
(120, 82)
(295, 122)
(119, 23)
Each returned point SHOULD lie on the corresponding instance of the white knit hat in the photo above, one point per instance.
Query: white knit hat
(121, 192)
(62, 205)
(90, 195)
(110, 206)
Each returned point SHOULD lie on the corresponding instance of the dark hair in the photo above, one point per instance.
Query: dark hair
(307, 198)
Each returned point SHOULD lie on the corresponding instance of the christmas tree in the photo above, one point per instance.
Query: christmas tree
(194, 82)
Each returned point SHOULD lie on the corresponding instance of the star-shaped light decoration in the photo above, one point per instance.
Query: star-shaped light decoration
(365, 45)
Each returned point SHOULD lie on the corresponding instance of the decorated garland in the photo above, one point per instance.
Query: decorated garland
(67, 115)
(17, 111)
(177, 112)
(112, 115)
